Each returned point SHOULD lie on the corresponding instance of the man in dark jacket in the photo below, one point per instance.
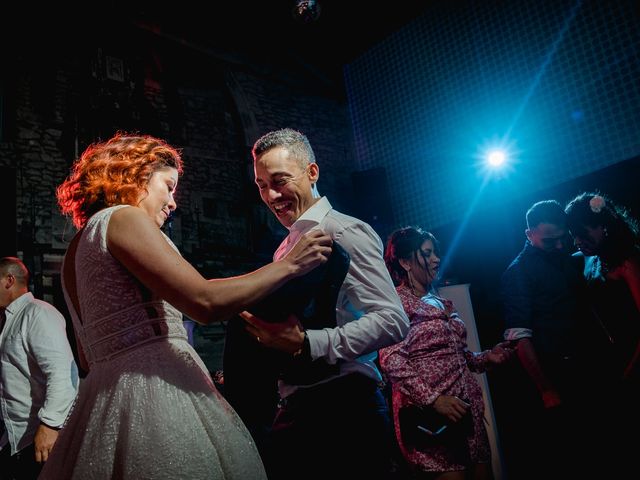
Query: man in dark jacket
(545, 316)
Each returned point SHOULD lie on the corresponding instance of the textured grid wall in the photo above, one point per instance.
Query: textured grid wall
(558, 82)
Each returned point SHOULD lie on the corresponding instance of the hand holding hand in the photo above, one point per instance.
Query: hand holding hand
(501, 353)
(311, 250)
(451, 407)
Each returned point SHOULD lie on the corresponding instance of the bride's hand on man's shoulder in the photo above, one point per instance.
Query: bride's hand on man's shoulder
(311, 250)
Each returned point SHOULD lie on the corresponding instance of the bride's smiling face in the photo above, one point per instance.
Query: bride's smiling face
(157, 201)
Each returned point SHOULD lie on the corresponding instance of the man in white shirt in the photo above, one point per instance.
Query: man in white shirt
(338, 426)
(38, 375)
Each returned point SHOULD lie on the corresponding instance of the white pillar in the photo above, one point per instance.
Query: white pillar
(459, 295)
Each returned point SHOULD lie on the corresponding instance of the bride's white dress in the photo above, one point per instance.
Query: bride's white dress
(148, 408)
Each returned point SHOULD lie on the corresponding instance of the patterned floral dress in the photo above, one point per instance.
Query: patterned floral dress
(434, 360)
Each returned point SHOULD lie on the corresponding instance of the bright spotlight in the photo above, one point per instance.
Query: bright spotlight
(496, 158)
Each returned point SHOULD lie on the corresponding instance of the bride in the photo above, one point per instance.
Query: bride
(148, 407)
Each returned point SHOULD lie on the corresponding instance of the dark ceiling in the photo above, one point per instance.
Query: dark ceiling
(264, 29)
(343, 30)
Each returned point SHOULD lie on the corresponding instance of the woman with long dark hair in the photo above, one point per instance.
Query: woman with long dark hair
(431, 369)
(608, 237)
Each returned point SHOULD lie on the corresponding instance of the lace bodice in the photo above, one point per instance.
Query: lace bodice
(117, 312)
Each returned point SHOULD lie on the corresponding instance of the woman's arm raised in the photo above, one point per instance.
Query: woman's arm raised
(135, 240)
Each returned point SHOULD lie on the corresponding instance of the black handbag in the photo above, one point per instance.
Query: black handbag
(424, 426)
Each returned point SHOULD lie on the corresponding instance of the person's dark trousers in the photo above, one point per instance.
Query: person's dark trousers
(338, 430)
(21, 466)
(251, 381)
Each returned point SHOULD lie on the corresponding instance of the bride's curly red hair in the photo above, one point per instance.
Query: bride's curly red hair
(114, 172)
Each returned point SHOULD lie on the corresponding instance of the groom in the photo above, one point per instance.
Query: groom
(339, 418)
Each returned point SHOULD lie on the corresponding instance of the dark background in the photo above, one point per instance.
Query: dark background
(397, 101)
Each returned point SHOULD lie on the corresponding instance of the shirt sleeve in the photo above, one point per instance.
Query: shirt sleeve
(399, 370)
(380, 319)
(49, 347)
(516, 291)
(477, 362)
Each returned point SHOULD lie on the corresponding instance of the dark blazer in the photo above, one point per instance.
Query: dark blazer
(251, 370)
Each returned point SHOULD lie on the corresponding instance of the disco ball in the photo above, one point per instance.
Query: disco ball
(306, 11)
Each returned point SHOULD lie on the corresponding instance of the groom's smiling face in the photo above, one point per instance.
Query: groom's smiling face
(285, 184)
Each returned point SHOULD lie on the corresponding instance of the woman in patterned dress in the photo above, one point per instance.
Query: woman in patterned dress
(432, 367)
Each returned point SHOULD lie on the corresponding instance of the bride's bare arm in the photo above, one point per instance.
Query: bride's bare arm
(135, 240)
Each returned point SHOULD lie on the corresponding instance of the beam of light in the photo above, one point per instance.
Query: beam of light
(543, 68)
(506, 138)
(444, 263)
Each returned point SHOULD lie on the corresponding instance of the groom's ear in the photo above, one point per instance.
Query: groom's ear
(313, 172)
